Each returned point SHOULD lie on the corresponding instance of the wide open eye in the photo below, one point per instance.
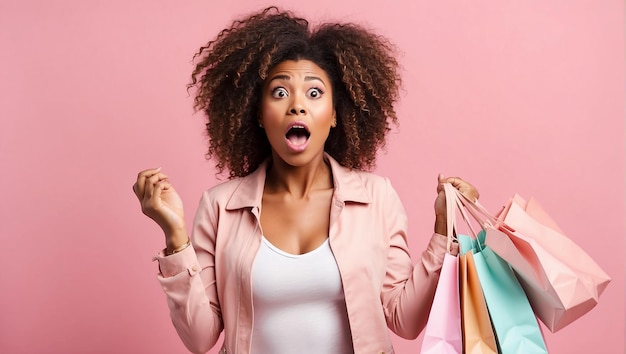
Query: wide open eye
(279, 92)
(314, 92)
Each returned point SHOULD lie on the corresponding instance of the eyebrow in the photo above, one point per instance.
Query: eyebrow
(306, 78)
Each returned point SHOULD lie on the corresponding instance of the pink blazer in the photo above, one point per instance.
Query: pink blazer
(208, 286)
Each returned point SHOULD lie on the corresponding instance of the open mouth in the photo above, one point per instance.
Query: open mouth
(298, 134)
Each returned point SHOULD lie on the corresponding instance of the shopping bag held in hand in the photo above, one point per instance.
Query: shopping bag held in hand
(516, 328)
(561, 280)
(478, 336)
(443, 329)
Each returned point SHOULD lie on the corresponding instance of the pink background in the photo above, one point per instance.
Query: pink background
(515, 96)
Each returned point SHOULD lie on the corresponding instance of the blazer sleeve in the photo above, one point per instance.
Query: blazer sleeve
(408, 289)
(188, 280)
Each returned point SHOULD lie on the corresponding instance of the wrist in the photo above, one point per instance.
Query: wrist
(441, 226)
(175, 240)
(170, 251)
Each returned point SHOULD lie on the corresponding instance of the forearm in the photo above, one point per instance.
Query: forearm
(175, 240)
(408, 305)
(193, 306)
(441, 227)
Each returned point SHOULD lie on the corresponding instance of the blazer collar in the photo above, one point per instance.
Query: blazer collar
(348, 186)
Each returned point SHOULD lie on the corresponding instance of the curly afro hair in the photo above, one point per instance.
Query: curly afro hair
(231, 69)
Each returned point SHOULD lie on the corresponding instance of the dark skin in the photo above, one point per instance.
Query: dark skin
(296, 224)
(298, 188)
(295, 212)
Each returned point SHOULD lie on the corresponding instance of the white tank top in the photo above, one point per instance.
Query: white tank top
(299, 305)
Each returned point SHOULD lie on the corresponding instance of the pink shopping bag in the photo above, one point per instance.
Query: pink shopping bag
(443, 329)
(560, 279)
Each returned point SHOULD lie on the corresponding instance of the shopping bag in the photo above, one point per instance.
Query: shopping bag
(561, 280)
(515, 325)
(478, 336)
(443, 328)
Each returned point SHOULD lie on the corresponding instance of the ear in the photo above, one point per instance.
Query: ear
(334, 124)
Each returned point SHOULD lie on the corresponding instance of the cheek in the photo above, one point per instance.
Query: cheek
(271, 118)
(269, 112)
(325, 113)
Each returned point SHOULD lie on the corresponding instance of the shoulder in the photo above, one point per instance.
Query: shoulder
(379, 187)
(378, 194)
(363, 187)
(221, 192)
(373, 182)
(371, 178)
(359, 182)
(225, 187)
(239, 192)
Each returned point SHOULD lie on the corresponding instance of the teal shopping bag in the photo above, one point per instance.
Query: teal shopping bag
(513, 320)
(466, 244)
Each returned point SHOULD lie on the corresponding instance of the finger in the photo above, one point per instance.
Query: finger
(141, 180)
(154, 202)
(460, 184)
(149, 184)
(455, 181)
(466, 189)
(473, 194)
(469, 191)
(136, 191)
(159, 187)
(440, 181)
(147, 173)
(159, 176)
(164, 185)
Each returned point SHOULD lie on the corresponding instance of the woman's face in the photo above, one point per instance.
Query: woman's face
(297, 111)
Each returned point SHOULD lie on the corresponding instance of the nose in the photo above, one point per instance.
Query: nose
(297, 109)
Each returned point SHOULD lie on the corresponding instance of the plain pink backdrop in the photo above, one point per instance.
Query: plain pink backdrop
(515, 96)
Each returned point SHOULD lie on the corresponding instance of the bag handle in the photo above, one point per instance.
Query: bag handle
(477, 210)
(452, 204)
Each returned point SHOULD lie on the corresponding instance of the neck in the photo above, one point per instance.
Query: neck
(298, 181)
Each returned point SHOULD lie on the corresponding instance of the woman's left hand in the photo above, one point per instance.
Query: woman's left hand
(463, 186)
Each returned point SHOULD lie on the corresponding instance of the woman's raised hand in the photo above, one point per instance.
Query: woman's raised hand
(160, 202)
(464, 187)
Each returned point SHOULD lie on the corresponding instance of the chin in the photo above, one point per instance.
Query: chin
(301, 159)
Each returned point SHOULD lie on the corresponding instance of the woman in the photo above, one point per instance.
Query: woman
(301, 251)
